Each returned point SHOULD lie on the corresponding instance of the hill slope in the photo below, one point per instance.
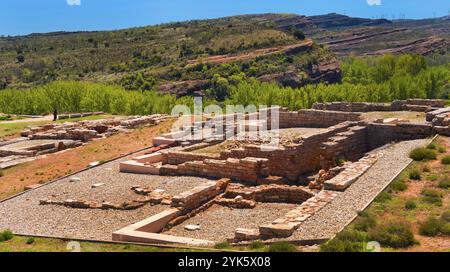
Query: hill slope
(199, 57)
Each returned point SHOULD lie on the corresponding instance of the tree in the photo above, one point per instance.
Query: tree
(20, 59)
(299, 34)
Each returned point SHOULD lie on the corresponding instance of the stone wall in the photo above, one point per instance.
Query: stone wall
(246, 169)
(420, 105)
(315, 118)
(270, 193)
(381, 134)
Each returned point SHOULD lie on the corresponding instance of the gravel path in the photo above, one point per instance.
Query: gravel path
(24, 215)
(219, 223)
(335, 216)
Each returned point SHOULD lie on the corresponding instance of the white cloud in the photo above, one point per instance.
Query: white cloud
(73, 2)
(374, 2)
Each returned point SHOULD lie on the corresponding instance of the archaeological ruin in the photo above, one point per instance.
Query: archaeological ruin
(236, 177)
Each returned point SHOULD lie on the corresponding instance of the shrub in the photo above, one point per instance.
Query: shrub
(30, 241)
(444, 183)
(420, 154)
(282, 247)
(383, 197)
(394, 234)
(432, 196)
(445, 160)
(432, 146)
(446, 229)
(222, 245)
(410, 205)
(346, 241)
(399, 186)
(433, 177)
(426, 169)
(256, 245)
(432, 227)
(364, 223)
(415, 174)
(6, 235)
(446, 216)
(442, 149)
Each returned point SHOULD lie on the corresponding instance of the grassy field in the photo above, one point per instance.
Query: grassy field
(410, 214)
(10, 130)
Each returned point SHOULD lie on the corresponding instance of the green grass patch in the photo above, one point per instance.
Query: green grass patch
(282, 247)
(445, 160)
(222, 245)
(444, 182)
(394, 235)
(6, 235)
(347, 241)
(431, 227)
(410, 205)
(432, 196)
(423, 154)
(398, 186)
(415, 174)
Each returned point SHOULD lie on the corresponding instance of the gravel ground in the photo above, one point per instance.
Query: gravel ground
(24, 215)
(335, 216)
(219, 223)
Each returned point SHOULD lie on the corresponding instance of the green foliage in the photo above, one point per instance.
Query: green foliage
(383, 197)
(445, 160)
(85, 97)
(30, 241)
(222, 245)
(399, 186)
(347, 241)
(364, 222)
(446, 216)
(282, 247)
(444, 182)
(6, 235)
(393, 234)
(256, 245)
(432, 227)
(421, 154)
(432, 196)
(432, 146)
(410, 205)
(415, 174)
(442, 149)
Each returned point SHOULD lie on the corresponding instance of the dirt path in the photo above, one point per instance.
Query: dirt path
(59, 164)
(47, 118)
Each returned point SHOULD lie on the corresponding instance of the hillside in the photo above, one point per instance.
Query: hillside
(200, 57)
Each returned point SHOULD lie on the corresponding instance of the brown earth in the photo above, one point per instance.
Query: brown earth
(59, 164)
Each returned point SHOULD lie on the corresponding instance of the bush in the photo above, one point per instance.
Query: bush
(445, 160)
(364, 222)
(410, 205)
(394, 234)
(222, 245)
(346, 241)
(426, 169)
(446, 229)
(6, 235)
(421, 154)
(442, 149)
(444, 183)
(432, 196)
(257, 245)
(383, 197)
(282, 247)
(432, 227)
(432, 146)
(30, 241)
(399, 186)
(415, 174)
(446, 216)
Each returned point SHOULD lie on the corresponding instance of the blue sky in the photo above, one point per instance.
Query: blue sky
(19, 17)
